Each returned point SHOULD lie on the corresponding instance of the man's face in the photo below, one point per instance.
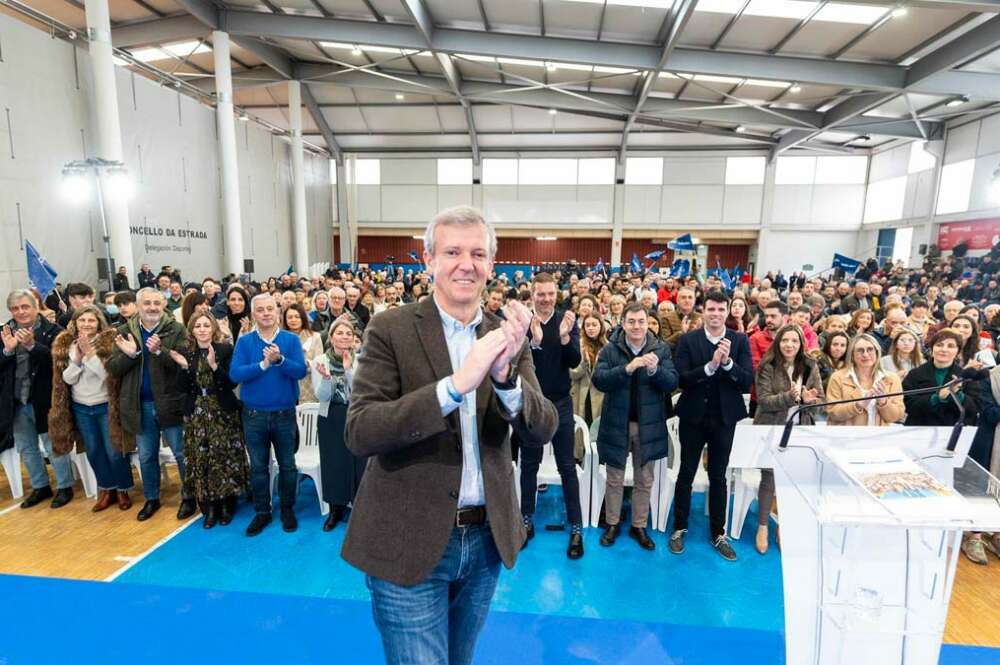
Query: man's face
(460, 263)
(122, 270)
(151, 307)
(337, 299)
(800, 319)
(25, 311)
(763, 298)
(288, 299)
(145, 267)
(773, 319)
(494, 302)
(390, 294)
(794, 299)
(265, 312)
(543, 295)
(352, 296)
(875, 289)
(894, 318)
(951, 309)
(861, 290)
(843, 289)
(76, 302)
(127, 309)
(714, 314)
(685, 301)
(636, 325)
(163, 282)
(176, 290)
(829, 292)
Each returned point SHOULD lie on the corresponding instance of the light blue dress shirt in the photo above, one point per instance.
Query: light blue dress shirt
(460, 339)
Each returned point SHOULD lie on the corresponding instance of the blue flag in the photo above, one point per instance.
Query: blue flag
(635, 264)
(680, 268)
(723, 274)
(600, 265)
(289, 271)
(845, 263)
(655, 256)
(41, 275)
(413, 255)
(737, 271)
(682, 243)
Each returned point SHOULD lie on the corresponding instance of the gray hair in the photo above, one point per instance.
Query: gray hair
(459, 216)
(147, 289)
(18, 294)
(259, 296)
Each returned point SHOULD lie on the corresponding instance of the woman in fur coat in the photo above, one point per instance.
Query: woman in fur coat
(85, 405)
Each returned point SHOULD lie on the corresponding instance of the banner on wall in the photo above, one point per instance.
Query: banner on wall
(977, 234)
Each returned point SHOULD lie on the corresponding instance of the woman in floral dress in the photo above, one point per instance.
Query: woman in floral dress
(217, 471)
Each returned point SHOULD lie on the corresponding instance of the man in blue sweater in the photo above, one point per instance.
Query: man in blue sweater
(268, 363)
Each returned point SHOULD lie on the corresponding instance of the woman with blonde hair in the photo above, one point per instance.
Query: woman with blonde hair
(616, 308)
(216, 469)
(862, 321)
(587, 400)
(85, 405)
(864, 377)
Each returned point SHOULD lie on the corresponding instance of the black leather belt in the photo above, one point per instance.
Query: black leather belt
(471, 516)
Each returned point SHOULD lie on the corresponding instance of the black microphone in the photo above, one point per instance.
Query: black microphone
(952, 442)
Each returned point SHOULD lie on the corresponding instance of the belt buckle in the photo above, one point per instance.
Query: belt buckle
(204, 392)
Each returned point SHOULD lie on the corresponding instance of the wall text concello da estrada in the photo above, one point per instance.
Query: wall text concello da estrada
(154, 231)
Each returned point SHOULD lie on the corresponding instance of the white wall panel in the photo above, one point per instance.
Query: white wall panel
(989, 135)
(742, 204)
(409, 171)
(694, 171)
(403, 203)
(842, 205)
(369, 203)
(454, 195)
(790, 250)
(984, 194)
(692, 203)
(642, 204)
(962, 143)
(792, 204)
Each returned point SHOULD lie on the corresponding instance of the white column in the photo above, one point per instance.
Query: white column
(109, 133)
(231, 222)
(617, 217)
(300, 228)
(348, 234)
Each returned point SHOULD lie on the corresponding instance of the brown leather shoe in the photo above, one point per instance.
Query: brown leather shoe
(104, 500)
(124, 502)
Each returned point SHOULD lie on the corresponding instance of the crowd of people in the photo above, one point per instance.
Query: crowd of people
(214, 370)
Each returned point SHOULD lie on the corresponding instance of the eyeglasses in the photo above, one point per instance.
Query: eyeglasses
(865, 349)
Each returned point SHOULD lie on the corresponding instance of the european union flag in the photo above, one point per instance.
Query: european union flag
(682, 243)
(41, 275)
(636, 264)
(846, 263)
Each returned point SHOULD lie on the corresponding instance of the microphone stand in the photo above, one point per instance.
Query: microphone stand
(955, 432)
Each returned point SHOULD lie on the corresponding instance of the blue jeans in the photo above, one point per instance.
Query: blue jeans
(26, 440)
(148, 442)
(111, 468)
(437, 621)
(261, 430)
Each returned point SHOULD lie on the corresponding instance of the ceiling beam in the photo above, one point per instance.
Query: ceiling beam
(275, 58)
(324, 127)
(158, 31)
(973, 44)
(681, 11)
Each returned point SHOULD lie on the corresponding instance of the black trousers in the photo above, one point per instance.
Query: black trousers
(694, 437)
(341, 469)
(562, 446)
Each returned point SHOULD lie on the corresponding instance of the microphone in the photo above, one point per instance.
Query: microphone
(965, 376)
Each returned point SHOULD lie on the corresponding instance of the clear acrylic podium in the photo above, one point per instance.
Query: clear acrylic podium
(868, 581)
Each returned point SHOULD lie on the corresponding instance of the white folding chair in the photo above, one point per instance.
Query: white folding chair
(10, 460)
(548, 472)
(599, 482)
(81, 469)
(668, 478)
(307, 456)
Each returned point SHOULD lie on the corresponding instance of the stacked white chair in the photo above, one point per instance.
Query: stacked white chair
(10, 460)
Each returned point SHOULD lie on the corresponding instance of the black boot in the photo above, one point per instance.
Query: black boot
(187, 508)
(37, 496)
(227, 510)
(210, 509)
(334, 518)
(62, 497)
(148, 510)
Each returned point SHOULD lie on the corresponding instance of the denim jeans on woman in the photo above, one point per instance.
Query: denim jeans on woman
(261, 430)
(111, 468)
(438, 620)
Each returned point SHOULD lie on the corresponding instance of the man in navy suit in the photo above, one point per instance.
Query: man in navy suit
(715, 370)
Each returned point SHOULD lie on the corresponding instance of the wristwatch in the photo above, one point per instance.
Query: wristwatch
(511, 381)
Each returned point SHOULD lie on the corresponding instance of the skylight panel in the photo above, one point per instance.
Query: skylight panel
(839, 12)
(184, 49)
(708, 78)
(767, 84)
(654, 4)
(719, 6)
(793, 9)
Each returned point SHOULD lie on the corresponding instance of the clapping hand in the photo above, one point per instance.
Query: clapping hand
(536, 331)
(725, 346)
(323, 370)
(153, 343)
(26, 337)
(75, 356)
(517, 320)
(210, 357)
(480, 360)
(685, 324)
(9, 341)
(566, 326)
(126, 345)
(721, 354)
(245, 325)
(651, 361)
(85, 347)
(272, 355)
(346, 359)
(179, 359)
(810, 395)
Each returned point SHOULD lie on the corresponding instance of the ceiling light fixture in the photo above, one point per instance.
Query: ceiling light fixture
(741, 129)
(795, 89)
(546, 238)
(553, 111)
(355, 51)
(899, 11)
(551, 67)
(957, 101)
(400, 97)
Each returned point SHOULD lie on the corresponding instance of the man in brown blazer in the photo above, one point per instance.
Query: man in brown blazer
(436, 387)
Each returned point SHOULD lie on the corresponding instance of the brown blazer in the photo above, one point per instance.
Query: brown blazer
(404, 511)
(773, 398)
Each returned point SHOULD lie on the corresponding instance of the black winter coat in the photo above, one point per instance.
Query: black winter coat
(921, 412)
(222, 384)
(40, 367)
(611, 378)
